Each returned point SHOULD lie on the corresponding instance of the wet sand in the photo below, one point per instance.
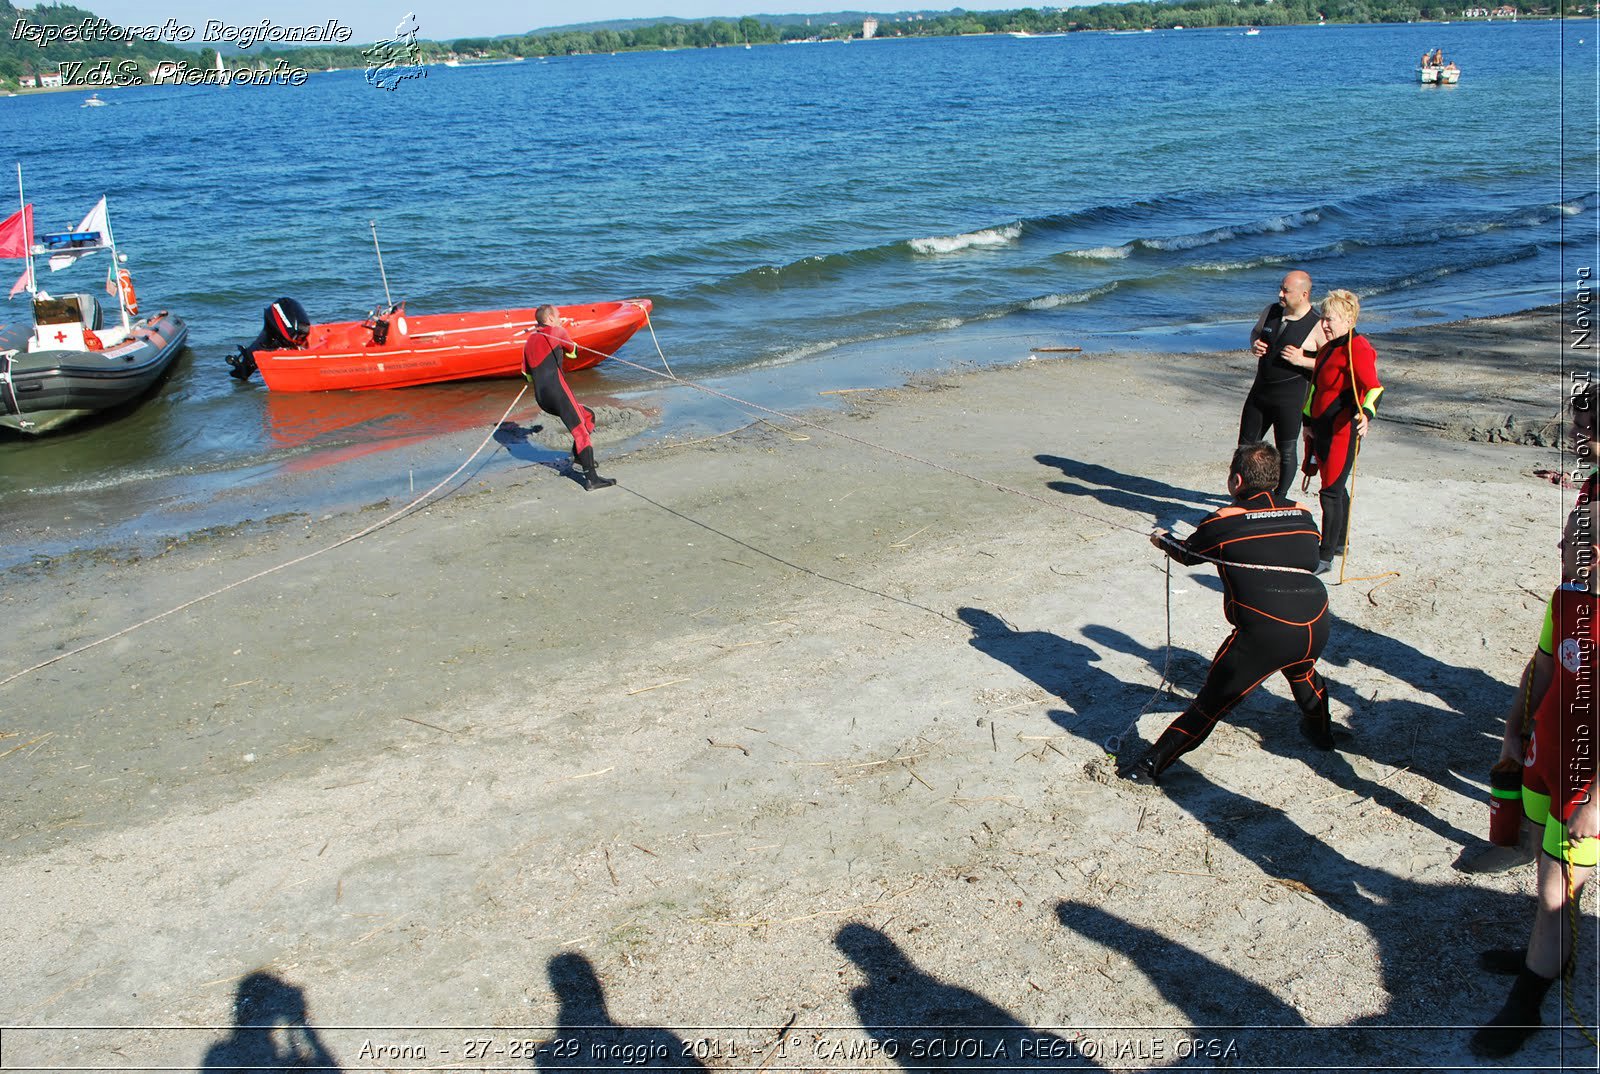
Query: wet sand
(789, 731)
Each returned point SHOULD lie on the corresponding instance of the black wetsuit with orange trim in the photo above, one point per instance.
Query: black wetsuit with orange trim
(541, 361)
(1279, 617)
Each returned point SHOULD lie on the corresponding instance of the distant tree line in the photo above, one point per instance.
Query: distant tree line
(24, 57)
(21, 57)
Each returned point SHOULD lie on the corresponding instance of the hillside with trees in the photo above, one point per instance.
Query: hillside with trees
(20, 56)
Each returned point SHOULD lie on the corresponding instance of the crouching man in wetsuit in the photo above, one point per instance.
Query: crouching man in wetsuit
(1279, 615)
(541, 364)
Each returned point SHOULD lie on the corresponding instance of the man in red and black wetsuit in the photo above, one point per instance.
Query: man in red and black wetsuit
(1264, 550)
(541, 364)
(1344, 398)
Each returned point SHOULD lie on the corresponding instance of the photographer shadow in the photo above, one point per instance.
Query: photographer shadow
(271, 1031)
(588, 1038)
(924, 1024)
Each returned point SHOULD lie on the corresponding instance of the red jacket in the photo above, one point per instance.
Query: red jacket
(1333, 399)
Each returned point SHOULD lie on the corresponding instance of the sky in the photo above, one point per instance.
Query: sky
(440, 20)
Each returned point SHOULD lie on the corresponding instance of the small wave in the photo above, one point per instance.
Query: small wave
(1245, 266)
(802, 352)
(1521, 253)
(1070, 298)
(949, 244)
(1286, 222)
(1102, 253)
(1579, 204)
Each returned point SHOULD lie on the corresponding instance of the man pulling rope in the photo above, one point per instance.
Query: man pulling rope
(1279, 615)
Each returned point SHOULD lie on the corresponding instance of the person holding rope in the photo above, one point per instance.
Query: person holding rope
(1557, 785)
(1343, 400)
(541, 364)
(1283, 334)
(1498, 858)
(1265, 550)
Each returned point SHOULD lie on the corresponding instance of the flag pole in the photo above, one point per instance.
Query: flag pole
(116, 269)
(27, 233)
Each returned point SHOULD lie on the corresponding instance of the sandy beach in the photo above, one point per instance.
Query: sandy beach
(787, 753)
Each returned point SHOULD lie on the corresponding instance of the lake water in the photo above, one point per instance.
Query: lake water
(803, 216)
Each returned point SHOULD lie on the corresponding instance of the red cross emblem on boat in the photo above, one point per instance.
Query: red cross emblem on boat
(61, 337)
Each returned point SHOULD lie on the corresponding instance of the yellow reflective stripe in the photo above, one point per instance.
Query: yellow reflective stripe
(1370, 403)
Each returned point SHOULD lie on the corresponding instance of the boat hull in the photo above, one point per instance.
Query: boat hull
(40, 391)
(431, 349)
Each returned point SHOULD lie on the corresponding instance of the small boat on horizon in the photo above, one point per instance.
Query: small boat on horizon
(74, 361)
(391, 349)
(1254, 31)
(94, 101)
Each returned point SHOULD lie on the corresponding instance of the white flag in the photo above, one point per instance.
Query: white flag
(95, 222)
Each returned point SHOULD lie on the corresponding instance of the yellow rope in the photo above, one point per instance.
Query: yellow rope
(1355, 461)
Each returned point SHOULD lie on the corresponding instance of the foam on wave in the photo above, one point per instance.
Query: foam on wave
(949, 244)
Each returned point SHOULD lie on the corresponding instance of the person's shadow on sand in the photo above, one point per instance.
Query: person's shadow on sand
(516, 439)
(1427, 934)
(588, 1038)
(1064, 668)
(925, 1024)
(1375, 726)
(1131, 492)
(271, 1031)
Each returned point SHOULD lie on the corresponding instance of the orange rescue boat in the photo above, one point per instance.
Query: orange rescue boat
(391, 349)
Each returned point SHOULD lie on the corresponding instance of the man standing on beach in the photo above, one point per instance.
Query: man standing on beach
(1264, 549)
(541, 364)
(1284, 333)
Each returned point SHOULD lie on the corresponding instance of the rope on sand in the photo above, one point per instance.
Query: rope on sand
(1114, 743)
(382, 522)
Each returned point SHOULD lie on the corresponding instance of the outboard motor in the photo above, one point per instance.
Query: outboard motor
(379, 321)
(285, 326)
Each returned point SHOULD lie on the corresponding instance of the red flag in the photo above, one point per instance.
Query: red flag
(16, 233)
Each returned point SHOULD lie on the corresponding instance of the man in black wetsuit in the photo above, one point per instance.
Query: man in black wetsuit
(1265, 550)
(541, 364)
(1284, 341)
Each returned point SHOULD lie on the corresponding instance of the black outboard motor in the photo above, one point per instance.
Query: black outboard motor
(285, 326)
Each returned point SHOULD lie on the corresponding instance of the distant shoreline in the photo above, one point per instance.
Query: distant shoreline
(673, 37)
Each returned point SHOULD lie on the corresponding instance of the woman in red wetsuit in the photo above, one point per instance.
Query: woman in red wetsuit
(1343, 400)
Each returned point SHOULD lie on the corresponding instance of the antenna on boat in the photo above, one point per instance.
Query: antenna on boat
(373, 224)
